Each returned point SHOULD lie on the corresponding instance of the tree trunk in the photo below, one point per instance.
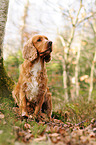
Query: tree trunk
(77, 71)
(5, 82)
(66, 98)
(24, 22)
(91, 77)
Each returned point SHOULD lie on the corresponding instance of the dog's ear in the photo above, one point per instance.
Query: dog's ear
(29, 51)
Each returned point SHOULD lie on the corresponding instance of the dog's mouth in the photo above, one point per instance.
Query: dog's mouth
(46, 55)
(46, 52)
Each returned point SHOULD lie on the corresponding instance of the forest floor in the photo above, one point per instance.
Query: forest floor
(74, 126)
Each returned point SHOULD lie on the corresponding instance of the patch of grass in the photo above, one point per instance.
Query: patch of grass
(38, 129)
(35, 128)
(59, 115)
(77, 110)
(7, 137)
(81, 110)
(74, 112)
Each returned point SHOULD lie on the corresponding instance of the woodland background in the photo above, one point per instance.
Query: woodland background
(71, 73)
(72, 27)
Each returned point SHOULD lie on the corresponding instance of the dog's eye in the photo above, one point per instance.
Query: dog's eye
(39, 40)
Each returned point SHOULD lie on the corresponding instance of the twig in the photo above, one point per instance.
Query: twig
(74, 26)
(86, 18)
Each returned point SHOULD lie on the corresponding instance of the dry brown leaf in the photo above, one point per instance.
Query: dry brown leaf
(27, 126)
(56, 129)
(62, 131)
(40, 138)
(28, 136)
(54, 140)
(22, 133)
(54, 134)
(92, 135)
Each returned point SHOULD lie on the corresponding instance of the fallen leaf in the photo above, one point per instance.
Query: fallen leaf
(92, 134)
(40, 138)
(62, 131)
(27, 126)
(54, 134)
(54, 140)
(27, 137)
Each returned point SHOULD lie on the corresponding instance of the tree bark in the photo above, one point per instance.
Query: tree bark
(91, 77)
(3, 17)
(5, 82)
(76, 72)
(93, 65)
(64, 69)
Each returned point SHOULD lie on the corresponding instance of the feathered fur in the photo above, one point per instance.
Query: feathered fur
(32, 83)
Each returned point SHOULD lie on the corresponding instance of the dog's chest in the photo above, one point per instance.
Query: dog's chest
(33, 85)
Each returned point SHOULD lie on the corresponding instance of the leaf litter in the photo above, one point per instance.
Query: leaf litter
(41, 129)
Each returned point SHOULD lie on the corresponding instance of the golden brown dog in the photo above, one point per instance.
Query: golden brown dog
(32, 83)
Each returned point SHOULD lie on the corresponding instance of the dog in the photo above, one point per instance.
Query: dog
(32, 82)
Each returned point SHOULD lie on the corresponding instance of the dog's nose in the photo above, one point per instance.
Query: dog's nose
(50, 45)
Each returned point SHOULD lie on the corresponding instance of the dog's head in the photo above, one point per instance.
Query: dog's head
(39, 45)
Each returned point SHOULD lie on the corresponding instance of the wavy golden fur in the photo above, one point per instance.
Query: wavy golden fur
(32, 84)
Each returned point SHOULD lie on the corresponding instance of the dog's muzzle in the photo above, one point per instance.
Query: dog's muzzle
(49, 48)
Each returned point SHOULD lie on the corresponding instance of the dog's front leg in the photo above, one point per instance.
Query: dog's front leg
(47, 104)
(22, 106)
(39, 105)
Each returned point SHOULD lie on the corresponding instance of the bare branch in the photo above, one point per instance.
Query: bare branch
(86, 18)
(92, 28)
(74, 26)
(24, 22)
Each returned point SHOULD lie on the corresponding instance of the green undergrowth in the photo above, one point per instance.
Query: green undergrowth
(6, 123)
(76, 111)
(10, 119)
(6, 84)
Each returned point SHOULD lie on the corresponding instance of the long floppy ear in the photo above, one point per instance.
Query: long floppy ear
(29, 51)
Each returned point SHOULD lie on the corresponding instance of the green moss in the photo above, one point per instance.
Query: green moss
(6, 84)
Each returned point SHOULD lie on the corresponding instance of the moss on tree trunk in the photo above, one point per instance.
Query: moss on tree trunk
(6, 84)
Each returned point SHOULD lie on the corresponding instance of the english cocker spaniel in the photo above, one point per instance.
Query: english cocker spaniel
(32, 84)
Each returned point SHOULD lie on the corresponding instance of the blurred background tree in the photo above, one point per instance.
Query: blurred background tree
(72, 27)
